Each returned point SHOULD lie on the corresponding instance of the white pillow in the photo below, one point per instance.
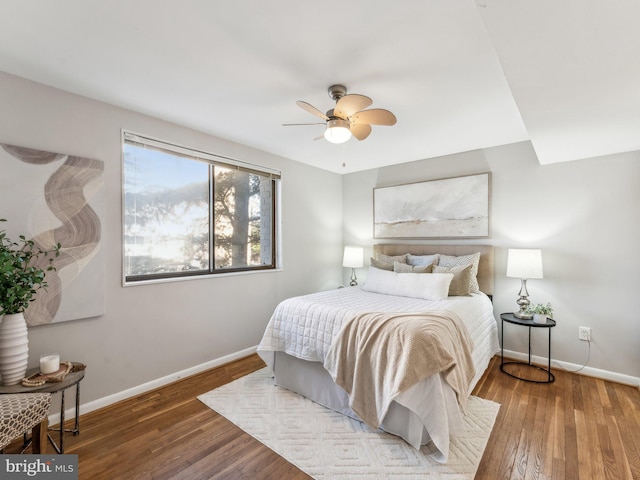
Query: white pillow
(431, 286)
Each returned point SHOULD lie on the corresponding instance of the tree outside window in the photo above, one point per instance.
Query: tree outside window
(187, 215)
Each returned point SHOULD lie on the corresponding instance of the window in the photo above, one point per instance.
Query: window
(192, 213)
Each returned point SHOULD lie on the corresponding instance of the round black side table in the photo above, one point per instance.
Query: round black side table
(72, 379)
(549, 324)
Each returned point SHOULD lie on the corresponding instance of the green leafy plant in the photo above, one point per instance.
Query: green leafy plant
(20, 278)
(541, 309)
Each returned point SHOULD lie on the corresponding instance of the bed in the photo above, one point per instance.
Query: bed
(299, 337)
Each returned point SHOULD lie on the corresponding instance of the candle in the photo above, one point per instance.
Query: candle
(49, 363)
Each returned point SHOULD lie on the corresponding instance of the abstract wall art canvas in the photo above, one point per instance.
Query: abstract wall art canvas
(446, 208)
(50, 198)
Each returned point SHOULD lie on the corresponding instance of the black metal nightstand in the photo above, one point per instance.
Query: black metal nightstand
(510, 318)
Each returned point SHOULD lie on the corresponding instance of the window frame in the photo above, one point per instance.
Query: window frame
(212, 160)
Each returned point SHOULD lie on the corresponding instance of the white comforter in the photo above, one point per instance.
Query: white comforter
(305, 326)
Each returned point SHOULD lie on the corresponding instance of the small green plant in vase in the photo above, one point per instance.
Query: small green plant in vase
(540, 312)
(20, 279)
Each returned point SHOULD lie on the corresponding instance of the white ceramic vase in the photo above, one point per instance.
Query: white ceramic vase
(14, 348)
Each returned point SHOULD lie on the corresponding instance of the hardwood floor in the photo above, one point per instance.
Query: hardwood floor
(575, 428)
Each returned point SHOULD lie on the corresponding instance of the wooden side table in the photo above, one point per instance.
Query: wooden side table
(73, 378)
(511, 318)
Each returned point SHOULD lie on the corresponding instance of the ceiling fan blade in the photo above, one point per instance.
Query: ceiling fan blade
(311, 109)
(298, 124)
(360, 130)
(350, 104)
(375, 116)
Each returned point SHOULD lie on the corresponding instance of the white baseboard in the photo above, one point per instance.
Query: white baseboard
(145, 387)
(589, 371)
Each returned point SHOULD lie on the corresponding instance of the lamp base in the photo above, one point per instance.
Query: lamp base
(354, 280)
(523, 302)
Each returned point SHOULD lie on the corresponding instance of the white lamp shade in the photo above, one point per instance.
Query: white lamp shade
(353, 257)
(524, 263)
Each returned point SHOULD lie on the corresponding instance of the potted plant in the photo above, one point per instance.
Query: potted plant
(20, 279)
(540, 312)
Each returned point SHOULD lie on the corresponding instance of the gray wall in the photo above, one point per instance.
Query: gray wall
(582, 214)
(152, 331)
(584, 217)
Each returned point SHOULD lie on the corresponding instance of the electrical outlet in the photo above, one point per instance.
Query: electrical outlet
(584, 333)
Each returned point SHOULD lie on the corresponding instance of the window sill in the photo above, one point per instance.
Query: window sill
(199, 277)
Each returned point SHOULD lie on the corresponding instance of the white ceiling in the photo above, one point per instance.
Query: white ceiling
(458, 74)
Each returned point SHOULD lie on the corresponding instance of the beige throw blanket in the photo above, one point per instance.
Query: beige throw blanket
(377, 356)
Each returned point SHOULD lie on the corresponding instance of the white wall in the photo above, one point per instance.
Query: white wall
(584, 217)
(582, 214)
(156, 330)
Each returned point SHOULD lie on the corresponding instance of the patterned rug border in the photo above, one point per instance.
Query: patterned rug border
(307, 435)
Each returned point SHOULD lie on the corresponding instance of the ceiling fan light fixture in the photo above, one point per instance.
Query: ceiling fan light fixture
(350, 116)
(337, 131)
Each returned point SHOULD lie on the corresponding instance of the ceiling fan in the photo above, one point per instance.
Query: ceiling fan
(347, 118)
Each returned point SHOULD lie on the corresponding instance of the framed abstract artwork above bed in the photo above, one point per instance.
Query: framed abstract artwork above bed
(50, 198)
(444, 208)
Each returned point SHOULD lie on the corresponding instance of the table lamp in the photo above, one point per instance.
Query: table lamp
(353, 259)
(524, 263)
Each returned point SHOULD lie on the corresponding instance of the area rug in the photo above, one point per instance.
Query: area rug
(327, 445)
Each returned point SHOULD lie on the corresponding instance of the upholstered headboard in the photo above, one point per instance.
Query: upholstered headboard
(485, 266)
